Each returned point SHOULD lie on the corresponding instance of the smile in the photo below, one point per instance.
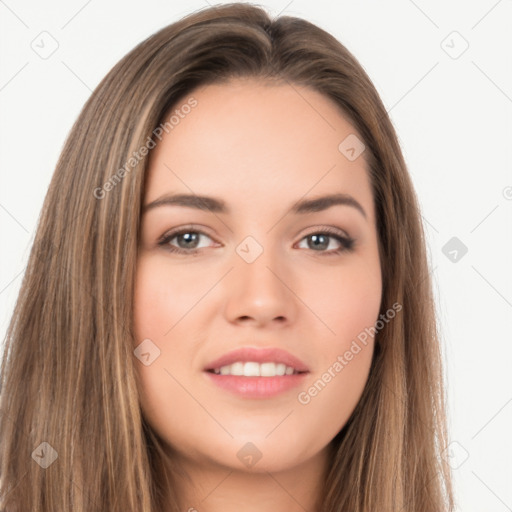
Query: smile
(254, 369)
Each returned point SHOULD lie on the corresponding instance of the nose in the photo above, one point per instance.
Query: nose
(260, 293)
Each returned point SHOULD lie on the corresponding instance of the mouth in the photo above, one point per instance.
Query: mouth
(257, 373)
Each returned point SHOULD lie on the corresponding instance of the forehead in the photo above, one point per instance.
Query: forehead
(246, 141)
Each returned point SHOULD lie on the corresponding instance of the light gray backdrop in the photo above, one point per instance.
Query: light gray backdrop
(444, 71)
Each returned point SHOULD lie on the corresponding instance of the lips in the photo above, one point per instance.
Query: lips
(260, 356)
(262, 376)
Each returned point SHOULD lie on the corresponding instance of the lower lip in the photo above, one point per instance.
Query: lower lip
(257, 387)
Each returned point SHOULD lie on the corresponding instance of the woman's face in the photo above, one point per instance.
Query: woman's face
(246, 281)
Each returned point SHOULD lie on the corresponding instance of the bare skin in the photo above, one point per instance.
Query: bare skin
(259, 148)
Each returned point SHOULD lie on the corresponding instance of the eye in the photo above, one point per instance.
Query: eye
(327, 241)
(184, 241)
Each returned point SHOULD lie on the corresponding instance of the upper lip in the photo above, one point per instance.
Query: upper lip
(258, 355)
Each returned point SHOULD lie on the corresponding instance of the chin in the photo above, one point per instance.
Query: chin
(259, 455)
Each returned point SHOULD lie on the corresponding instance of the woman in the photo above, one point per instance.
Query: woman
(228, 293)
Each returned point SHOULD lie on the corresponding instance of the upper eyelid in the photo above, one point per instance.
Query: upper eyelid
(185, 229)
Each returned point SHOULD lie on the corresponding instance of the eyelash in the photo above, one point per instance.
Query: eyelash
(346, 242)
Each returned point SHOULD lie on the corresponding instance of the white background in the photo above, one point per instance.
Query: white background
(453, 118)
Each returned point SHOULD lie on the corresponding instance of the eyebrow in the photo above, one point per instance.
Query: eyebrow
(214, 205)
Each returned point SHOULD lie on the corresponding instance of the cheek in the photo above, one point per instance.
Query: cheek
(346, 302)
(348, 306)
(156, 312)
(149, 301)
(162, 298)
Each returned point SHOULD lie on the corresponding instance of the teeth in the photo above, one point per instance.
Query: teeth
(252, 369)
(236, 369)
(280, 369)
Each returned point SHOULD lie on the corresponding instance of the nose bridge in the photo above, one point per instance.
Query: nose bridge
(257, 284)
(257, 264)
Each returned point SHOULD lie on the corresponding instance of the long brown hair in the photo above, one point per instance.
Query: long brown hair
(69, 386)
